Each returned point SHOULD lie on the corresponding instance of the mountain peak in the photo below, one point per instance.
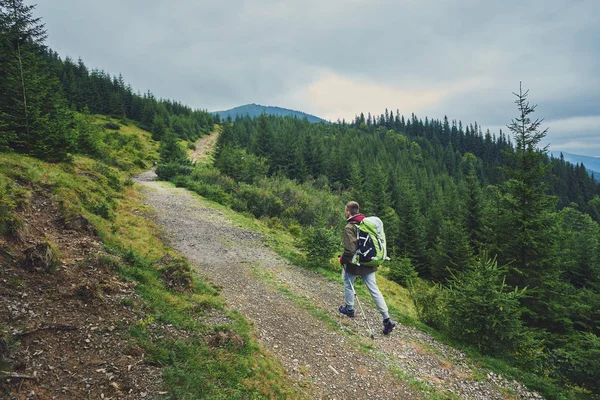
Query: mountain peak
(254, 110)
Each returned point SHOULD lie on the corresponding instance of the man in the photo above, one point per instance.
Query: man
(367, 273)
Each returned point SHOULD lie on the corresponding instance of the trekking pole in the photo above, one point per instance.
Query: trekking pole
(361, 308)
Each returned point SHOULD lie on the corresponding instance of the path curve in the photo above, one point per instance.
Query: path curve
(330, 355)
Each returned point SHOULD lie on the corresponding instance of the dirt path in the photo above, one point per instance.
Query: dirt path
(205, 145)
(295, 316)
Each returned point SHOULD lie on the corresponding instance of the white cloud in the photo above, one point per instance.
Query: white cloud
(583, 126)
(334, 96)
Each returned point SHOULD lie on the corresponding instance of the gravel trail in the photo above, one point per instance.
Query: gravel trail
(330, 355)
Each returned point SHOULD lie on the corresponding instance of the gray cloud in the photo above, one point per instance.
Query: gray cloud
(216, 55)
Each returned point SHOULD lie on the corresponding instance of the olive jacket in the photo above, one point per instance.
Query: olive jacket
(350, 247)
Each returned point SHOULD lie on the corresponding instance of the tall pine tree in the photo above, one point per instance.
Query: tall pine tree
(527, 245)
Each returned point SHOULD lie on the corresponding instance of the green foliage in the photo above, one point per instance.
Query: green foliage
(594, 207)
(34, 118)
(173, 158)
(168, 171)
(11, 198)
(452, 252)
(483, 311)
(209, 190)
(258, 201)
(429, 303)
(319, 244)
(102, 209)
(112, 126)
(578, 248)
(89, 136)
(171, 151)
(527, 237)
(240, 165)
(112, 177)
(578, 361)
(402, 271)
(271, 197)
(411, 239)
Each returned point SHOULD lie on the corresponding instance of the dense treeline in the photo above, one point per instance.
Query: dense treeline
(100, 93)
(487, 220)
(39, 92)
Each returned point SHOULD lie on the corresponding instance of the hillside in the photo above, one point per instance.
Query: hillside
(255, 110)
(94, 302)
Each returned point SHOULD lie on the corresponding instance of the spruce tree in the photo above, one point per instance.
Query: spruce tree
(411, 237)
(473, 210)
(526, 199)
(526, 241)
(263, 142)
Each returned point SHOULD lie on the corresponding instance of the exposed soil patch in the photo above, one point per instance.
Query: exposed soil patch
(204, 146)
(65, 328)
(337, 362)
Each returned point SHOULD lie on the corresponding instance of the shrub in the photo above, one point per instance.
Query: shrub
(176, 274)
(274, 223)
(295, 230)
(103, 209)
(113, 179)
(261, 202)
(429, 303)
(319, 244)
(10, 222)
(402, 271)
(88, 136)
(240, 165)
(168, 171)
(481, 310)
(578, 360)
(112, 126)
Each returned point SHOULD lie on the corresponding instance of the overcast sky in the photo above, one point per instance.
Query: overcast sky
(335, 59)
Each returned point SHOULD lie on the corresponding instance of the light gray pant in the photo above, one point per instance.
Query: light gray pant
(371, 284)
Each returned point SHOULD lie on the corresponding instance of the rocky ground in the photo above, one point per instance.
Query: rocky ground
(63, 327)
(331, 354)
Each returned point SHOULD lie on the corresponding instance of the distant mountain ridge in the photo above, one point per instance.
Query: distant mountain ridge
(592, 164)
(254, 110)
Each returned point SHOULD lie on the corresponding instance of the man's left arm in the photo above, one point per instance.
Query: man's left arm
(350, 243)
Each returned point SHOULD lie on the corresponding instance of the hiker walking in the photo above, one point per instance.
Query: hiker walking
(367, 273)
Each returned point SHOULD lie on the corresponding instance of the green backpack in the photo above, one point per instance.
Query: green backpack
(371, 243)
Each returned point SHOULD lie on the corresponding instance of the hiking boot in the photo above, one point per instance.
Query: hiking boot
(346, 311)
(388, 326)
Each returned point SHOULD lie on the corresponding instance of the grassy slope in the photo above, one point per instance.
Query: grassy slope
(200, 359)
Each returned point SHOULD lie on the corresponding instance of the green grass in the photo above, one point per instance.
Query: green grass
(431, 393)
